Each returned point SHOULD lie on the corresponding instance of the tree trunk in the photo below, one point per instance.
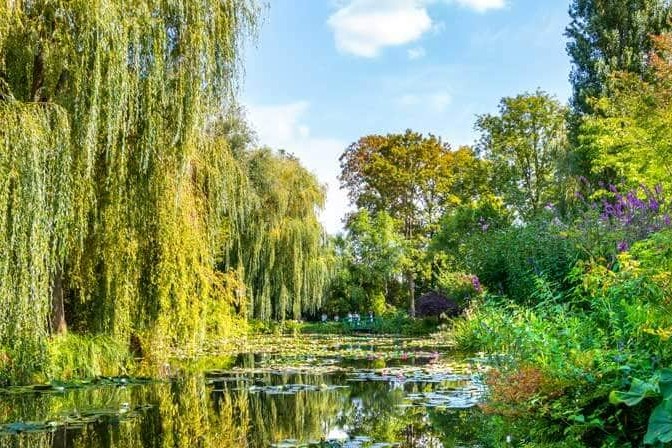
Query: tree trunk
(58, 324)
(411, 290)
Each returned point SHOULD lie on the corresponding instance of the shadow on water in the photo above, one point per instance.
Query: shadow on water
(395, 397)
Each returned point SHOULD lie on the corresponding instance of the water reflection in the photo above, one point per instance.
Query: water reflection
(249, 406)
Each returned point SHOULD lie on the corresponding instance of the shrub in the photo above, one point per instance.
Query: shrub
(510, 261)
(459, 287)
(520, 390)
(434, 304)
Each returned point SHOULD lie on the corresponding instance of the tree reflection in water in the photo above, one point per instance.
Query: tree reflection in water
(246, 408)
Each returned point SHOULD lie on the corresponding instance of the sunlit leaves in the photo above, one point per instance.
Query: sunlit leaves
(116, 187)
(525, 142)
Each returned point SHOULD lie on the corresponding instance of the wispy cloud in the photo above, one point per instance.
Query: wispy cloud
(482, 5)
(436, 101)
(416, 53)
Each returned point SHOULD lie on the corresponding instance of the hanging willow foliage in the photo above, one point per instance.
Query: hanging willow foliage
(112, 192)
(35, 171)
(282, 248)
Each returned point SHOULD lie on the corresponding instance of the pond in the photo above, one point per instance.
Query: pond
(277, 392)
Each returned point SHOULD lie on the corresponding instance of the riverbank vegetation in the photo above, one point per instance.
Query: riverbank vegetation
(560, 216)
(140, 218)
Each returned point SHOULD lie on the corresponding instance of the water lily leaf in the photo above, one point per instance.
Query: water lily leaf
(639, 390)
(660, 424)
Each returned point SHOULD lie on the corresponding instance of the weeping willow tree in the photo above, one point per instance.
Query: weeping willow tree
(281, 250)
(112, 189)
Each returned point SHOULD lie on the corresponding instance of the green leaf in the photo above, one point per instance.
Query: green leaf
(665, 383)
(660, 424)
(580, 418)
(639, 390)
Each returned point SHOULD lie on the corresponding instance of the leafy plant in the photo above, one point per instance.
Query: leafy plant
(658, 387)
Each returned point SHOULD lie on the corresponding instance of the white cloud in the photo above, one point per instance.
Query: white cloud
(282, 127)
(364, 27)
(276, 125)
(482, 5)
(416, 53)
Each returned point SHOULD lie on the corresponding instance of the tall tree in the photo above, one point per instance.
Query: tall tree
(630, 140)
(370, 257)
(606, 36)
(413, 178)
(524, 143)
(377, 249)
(280, 248)
(111, 189)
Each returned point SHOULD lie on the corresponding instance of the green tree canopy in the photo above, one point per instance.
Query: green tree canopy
(525, 142)
(281, 247)
(630, 141)
(415, 179)
(608, 36)
(112, 190)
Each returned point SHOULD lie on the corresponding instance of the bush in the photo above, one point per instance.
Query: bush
(459, 287)
(510, 261)
(434, 304)
(613, 326)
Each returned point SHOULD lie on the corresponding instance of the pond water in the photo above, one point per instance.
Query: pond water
(278, 392)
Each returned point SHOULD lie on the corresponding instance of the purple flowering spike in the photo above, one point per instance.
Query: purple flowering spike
(667, 220)
(613, 188)
(654, 205)
(622, 246)
(476, 283)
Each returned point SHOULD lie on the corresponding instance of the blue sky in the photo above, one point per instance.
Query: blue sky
(325, 72)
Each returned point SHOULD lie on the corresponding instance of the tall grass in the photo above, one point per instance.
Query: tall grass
(74, 356)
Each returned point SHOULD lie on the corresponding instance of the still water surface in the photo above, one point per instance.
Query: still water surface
(319, 391)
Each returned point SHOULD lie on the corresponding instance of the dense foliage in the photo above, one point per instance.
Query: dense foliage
(609, 36)
(281, 249)
(137, 214)
(555, 239)
(123, 185)
(416, 179)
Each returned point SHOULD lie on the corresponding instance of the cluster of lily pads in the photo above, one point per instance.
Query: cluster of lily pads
(57, 387)
(77, 419)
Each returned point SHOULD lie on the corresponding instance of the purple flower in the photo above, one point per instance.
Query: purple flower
(476, 283)
(667, 220)
(622, 246)
(654, 205)
(613, 188)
